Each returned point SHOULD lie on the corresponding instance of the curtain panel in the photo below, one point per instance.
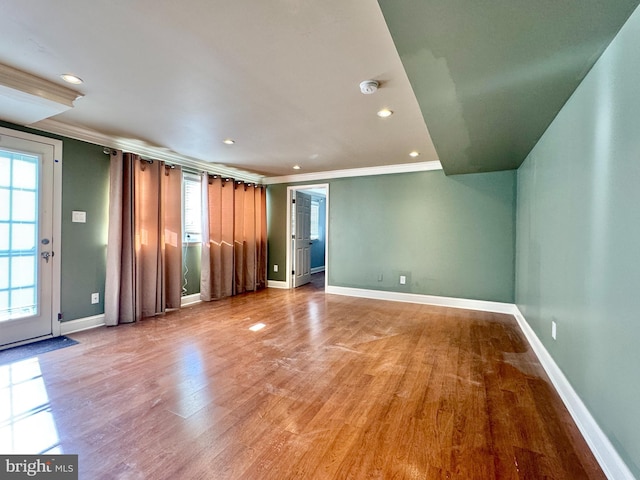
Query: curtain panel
(144, 255)
(234, 238)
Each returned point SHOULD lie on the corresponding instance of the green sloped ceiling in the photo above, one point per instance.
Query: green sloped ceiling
(490, 76)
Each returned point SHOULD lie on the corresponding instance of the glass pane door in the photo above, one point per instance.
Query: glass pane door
(18, 235)
(29, 202)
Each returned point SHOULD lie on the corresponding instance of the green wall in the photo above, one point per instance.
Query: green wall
(451, 236)
(85, 186)
(191, 269)
(578, 241)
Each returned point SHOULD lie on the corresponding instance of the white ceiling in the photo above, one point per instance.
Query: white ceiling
(280, 77)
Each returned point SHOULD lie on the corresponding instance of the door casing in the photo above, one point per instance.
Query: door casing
(289, 257)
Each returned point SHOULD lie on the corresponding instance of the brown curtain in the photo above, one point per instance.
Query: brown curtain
(144, 255)
(234, 251)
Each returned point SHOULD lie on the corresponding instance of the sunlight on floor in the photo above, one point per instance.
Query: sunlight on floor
(26, 421)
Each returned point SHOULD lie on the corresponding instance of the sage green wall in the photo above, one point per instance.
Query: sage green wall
(578, 241)
(191, 269)
(85, 186)
(451, 236)
(277, 231)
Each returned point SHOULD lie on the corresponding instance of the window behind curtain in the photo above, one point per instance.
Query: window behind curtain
(192, 208)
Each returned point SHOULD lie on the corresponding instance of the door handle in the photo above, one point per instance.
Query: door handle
(46, 255)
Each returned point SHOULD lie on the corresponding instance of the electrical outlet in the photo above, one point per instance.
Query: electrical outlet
(380, 277)
(95, 298)
(403, 279)
(554, 329)
(275, 268)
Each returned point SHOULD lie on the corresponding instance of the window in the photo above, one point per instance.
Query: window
(191, 208)
(18, 235)
(315, 220)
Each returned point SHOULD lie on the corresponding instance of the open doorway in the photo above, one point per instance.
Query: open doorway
(307, 231)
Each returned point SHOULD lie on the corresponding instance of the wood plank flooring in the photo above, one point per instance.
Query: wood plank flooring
(331, 387)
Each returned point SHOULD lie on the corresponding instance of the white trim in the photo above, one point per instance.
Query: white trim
(481, 305)
(190, 299)
(605, 453)
(317, 269)
(81, 324)
(143, 149)
(57, 236)
(37, 86)
(277, 284)
(160, 153)
(355, 172)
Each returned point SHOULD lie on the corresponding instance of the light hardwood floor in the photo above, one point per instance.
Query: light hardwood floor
(331, 387)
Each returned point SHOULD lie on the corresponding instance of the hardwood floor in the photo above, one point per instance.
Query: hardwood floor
(331, 387)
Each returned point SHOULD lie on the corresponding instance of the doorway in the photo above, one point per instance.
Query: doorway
(30, 201)
(307, 231)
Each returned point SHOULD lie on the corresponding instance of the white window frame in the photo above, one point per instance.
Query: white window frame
(192, 236)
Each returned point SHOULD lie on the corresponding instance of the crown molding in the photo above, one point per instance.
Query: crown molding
(355, 172)
(25, 98)
(37, 87)
(161, 153)
(142, 149)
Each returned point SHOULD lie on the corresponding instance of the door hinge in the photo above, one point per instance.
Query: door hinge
(60, 316)
(293, 200)
(293, 272)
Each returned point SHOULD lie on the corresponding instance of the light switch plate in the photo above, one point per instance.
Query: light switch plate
(78, 217)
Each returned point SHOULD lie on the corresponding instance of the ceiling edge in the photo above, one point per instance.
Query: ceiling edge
(138, 147)
(355, 172)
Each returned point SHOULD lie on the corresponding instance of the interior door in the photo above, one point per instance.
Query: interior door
(27, 254)
(302, 239)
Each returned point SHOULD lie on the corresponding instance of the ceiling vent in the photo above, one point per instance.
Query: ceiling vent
(26, 99)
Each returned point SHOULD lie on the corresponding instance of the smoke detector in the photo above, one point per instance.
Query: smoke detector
(369, 86)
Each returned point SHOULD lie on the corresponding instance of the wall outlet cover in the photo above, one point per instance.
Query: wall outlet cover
(95, 298)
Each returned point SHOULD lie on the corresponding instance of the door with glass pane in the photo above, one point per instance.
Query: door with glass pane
(27, 253)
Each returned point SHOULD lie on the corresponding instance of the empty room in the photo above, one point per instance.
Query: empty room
(317, 240)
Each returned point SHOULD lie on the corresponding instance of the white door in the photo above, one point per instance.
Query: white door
(27, 246)
(302, 239)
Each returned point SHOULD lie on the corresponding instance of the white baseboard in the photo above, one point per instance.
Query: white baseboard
(190, 299)
(482, 305)
(317, 270)
(73, 326)
(605, 453)
(277, 284)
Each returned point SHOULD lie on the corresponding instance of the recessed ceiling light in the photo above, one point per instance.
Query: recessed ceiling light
(414, 154)
(70, 78)
(384, 113)
(296, 167)
(228, 141)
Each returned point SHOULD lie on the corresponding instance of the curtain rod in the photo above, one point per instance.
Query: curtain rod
(197, 169)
